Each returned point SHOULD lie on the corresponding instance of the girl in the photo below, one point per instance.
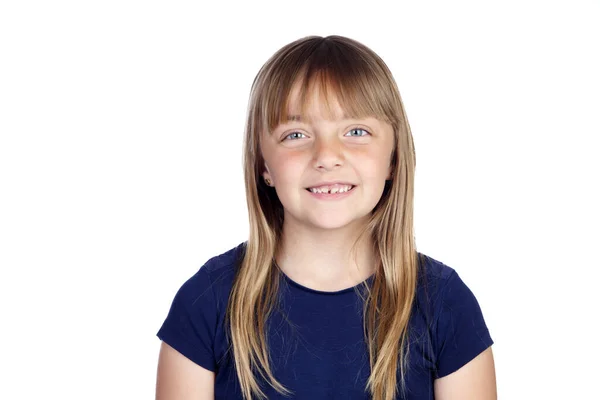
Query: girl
(328, 298)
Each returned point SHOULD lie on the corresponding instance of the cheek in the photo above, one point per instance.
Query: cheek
(373, 167)
(382, 162)
(288, 167)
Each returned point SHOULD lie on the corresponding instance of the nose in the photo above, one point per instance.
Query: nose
(328, 153)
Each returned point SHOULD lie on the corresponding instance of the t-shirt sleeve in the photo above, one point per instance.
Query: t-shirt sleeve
(190, 326)
(461, 332)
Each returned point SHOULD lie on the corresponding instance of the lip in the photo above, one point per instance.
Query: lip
(329, 183)
(332, 196)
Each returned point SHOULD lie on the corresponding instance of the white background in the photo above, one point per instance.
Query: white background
(120, 172)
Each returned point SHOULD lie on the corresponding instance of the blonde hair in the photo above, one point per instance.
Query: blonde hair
(364, 87)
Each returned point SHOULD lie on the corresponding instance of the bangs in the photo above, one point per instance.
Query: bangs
(338, 71)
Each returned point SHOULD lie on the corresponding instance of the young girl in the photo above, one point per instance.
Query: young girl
(328, 298)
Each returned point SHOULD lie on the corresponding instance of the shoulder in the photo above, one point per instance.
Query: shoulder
(194, 324)
(215, 277)
(224, 264)
(456, 323)
(441, 286)
(434, 269)
(442, 282)
(207, 291)
(433, 277)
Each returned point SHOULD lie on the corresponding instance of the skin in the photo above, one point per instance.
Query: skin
(318, 235)
(474, 381)
(180, 378)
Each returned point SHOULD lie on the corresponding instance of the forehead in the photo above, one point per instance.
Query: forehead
(313, 102)
(327, 97)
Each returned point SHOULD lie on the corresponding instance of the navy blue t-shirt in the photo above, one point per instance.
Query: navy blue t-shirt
(318, 351)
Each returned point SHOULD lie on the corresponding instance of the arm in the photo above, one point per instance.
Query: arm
(474, 381)
(179, 378)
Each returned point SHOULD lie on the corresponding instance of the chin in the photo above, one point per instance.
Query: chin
(333, 221)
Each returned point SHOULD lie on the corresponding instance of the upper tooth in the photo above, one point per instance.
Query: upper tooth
(332, 189)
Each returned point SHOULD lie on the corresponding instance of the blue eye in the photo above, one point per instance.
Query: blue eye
(361, 132)
(365, 133)
(293, 133)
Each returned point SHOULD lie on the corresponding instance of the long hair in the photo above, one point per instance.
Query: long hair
(364, 87)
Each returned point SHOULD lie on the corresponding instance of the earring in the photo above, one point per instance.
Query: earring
(268, 181)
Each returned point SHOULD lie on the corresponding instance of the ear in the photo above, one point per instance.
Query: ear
(266, 174)
(390, 173)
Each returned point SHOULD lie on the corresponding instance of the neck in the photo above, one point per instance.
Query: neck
(324, 259)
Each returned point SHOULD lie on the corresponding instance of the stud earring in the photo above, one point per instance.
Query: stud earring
(268, 181)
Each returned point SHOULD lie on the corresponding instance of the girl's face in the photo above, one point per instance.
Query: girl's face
(311, 150)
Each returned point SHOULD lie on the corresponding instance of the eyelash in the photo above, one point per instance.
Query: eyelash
(353, 129)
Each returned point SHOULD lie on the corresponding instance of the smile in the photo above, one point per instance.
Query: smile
(331, 189)
(331, 194)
